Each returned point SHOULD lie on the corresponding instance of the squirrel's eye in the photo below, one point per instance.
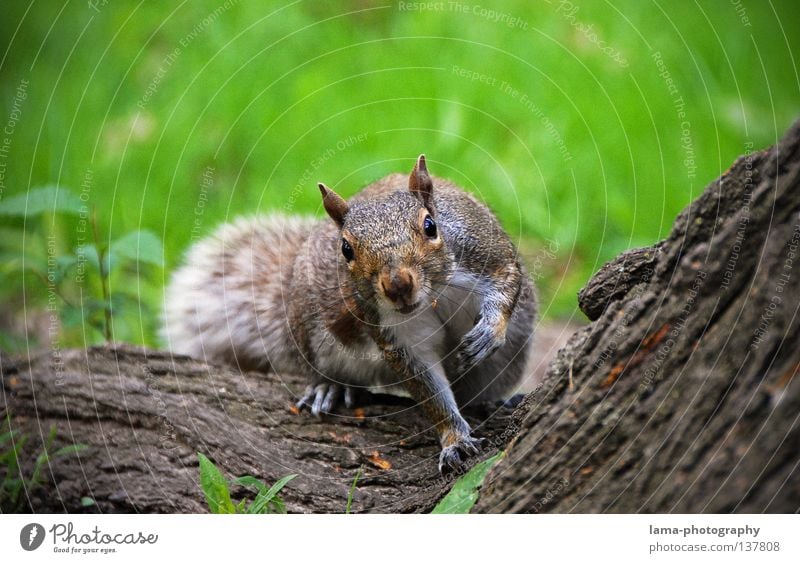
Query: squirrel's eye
(347, 250)
(430, 227)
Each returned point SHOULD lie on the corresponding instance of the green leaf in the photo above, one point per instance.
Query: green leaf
(12, 488)
(265, 498)
(11, 263)
(64, 263)
(87, 501)
(13, 343)
(276, 506)
(72, 317)
(89, 253)
(11, 456)
(40, 200)
(464, 493)
(259, 505)
(214, 487)
(89, 314)
(12, 484)
(51, 437)
(41, 459)
(249, 481)
(139, 246)
(6, 437)
(352, 490)
(66, 450)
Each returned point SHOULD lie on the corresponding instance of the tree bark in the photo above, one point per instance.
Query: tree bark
(680, 396)
(145, 414)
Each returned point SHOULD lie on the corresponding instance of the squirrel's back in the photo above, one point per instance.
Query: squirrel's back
(222, 304)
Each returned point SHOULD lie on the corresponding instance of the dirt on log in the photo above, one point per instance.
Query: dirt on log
(681, 396)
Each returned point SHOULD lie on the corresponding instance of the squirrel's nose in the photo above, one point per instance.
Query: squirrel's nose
(397, 285)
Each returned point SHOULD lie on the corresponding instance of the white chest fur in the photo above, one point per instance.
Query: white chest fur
(444, 317)
(440, 321)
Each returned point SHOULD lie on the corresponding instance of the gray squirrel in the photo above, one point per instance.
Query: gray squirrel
(413, 288)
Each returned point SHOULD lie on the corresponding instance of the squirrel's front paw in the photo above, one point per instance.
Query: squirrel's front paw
(454, 455)
(323, 398)
(478, 344)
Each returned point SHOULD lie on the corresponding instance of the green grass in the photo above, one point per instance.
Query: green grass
(16, 487)
(216, 489)
(574, 151)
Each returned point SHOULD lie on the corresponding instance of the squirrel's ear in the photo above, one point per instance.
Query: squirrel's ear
(420, 184)
(334, 204)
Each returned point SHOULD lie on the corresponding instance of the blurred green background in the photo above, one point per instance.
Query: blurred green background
(587, 126)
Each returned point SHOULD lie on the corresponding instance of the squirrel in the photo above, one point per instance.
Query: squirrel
(412, 288)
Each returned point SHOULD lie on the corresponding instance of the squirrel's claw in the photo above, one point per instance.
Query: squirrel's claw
(477, 345)
(323, 398)
(451, 457)
(330, 398)
(449, 460)
(349, 397)
(307, 399)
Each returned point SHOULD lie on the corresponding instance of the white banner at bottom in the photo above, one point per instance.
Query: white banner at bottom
(390, 538)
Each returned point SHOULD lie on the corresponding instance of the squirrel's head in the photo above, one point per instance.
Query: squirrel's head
(391, 243)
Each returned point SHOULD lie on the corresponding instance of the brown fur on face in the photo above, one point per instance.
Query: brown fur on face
(391, 251)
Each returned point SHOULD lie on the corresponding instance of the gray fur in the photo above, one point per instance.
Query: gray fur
(276, 292)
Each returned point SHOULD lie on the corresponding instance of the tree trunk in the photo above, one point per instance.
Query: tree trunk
(680, 396)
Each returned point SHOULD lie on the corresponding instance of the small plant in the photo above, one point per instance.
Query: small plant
(218, 496)
(353, 490)
(15, 487)
(52, 235)
(464, 494)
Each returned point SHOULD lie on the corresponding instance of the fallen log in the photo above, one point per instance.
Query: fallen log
(145, 414)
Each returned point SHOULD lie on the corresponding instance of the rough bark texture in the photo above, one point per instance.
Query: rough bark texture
(145, 414)
(616, 278)
(681, 396)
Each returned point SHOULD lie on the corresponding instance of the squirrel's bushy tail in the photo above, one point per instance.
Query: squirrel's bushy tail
(228, 302)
